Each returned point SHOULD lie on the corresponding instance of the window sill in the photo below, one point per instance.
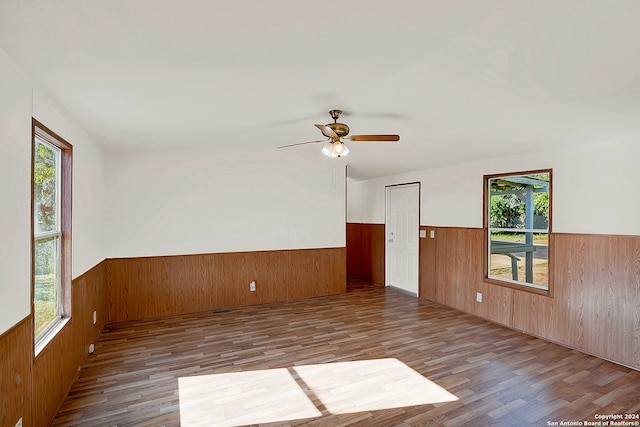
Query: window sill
(45, 340)
(519, 286)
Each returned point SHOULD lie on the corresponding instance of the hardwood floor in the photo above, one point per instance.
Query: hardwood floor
(371, 357)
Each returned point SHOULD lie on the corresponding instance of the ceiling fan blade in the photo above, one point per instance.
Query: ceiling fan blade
(374, 138)
(327, 131)
(302, 143)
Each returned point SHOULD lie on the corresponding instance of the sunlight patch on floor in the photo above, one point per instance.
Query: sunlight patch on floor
(277, 395)
(370, 385)
(242, 398)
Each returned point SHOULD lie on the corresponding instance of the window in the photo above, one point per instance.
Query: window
(51, 233)
(518, 224)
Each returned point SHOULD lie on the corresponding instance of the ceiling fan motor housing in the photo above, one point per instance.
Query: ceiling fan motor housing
(339, 128)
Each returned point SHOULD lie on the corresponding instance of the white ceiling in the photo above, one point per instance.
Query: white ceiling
(458, 80)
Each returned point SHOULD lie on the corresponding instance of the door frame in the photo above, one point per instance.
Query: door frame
(387, 259)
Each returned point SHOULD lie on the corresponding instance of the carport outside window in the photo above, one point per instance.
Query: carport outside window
(517, 222)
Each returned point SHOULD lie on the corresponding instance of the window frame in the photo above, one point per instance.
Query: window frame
(487, 238)
(63, 232)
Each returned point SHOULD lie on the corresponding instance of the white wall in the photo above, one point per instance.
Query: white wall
(88, 187)
(19, 101)
(15, 194)
(595, 189)
(205, 201)
(156, 203)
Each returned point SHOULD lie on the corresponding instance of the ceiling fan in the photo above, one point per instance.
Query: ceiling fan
(336, 132)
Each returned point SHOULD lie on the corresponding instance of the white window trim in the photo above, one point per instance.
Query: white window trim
(51, 331)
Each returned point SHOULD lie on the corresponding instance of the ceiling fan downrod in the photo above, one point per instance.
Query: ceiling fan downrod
(339, 128)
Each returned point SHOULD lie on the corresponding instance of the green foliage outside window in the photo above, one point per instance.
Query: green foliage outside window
(44, 301)
(44, 187)
(508, 211)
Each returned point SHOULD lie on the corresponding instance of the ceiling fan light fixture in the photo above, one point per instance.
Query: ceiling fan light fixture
(335, 149)
(328, 149)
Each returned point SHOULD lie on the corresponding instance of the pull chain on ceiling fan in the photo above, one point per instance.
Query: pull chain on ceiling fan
(336, 132)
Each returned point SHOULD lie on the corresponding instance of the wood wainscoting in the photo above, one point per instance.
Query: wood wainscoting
(16, 355)
(596, 291)
(365, 252)
(154, 287)
(126, 289)
(34, 388)
(58, 364)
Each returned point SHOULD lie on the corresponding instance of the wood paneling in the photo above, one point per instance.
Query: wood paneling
(499, 376)
(594, 307)
(57, 365)
(457, 266)
(365, 252)
(336, 273)
(54, 371)
(155, 287)
(459, 275)
(354, 249)
(90, 295)
(16, 355)
(596, 303)
(152, 287)
(34, 389)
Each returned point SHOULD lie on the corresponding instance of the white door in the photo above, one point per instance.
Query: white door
(402, 230)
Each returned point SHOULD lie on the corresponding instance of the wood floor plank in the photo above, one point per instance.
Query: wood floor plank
(498, 376)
